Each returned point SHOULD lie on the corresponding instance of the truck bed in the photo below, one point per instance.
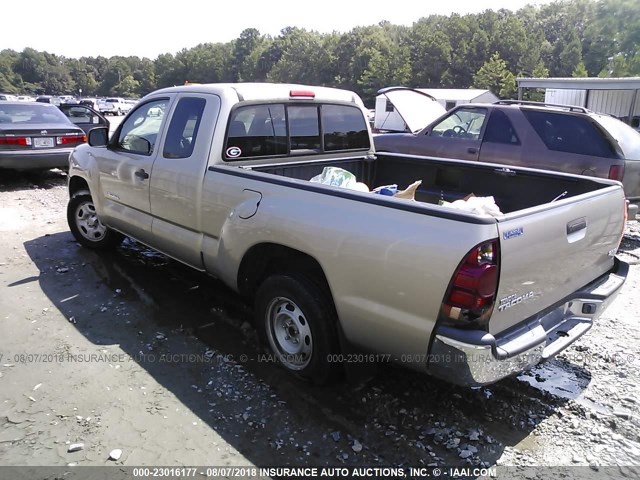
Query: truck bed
(450, 180)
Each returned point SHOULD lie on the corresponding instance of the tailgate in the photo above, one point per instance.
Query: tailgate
(549, 252)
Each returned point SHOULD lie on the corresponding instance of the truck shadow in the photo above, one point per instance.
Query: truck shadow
(150, 305)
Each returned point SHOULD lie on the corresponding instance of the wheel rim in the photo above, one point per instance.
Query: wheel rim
(88, 223)
(289, 333)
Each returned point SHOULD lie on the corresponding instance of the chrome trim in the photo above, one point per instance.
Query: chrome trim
(481, 365)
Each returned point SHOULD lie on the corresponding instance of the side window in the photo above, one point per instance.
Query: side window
(183, 129)
(463, 123)
(140, 130)
(500, 129)
(569, 133)
(255, 131)
(344, 128)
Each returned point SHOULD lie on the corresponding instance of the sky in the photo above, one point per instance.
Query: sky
(147, 28)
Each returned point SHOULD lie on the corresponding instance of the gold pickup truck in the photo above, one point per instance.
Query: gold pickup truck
(218, 177)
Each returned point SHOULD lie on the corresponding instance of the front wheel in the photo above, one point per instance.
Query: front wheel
(297, 320)
(86, 227)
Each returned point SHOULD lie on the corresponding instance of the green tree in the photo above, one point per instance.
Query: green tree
(145, 75)
(127, 87)
(301, 57)
(117, 71)
(170, 71)
(617, 66)
(580, 71)
(32, 66)
(495, 76)
(431, 52)
(247, 50)
(10, 82)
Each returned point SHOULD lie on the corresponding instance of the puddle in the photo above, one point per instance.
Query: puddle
(562, 381)
(552, 378)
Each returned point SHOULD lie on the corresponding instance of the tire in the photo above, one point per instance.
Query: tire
(296, 320)
(86, 226)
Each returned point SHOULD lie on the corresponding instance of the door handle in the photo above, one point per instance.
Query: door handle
(141, 174)
(472, 150)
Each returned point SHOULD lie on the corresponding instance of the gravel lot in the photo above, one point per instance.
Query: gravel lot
(132, 351)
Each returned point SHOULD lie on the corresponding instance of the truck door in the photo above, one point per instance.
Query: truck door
(126, 166)
(177, 177)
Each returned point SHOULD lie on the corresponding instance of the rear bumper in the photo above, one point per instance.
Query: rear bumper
(36, 159)
(476, 358)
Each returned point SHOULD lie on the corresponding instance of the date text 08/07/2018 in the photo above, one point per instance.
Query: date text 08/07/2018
(311, 472)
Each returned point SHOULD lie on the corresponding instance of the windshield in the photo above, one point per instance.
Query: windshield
(628, 139)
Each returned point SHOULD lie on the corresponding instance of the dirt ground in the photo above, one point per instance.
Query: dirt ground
(132, 351)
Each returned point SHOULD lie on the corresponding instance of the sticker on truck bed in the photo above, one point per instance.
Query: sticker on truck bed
(516, 232)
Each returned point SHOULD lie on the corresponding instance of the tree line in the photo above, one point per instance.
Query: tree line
(576, 38)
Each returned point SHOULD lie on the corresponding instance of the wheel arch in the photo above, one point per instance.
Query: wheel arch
(265, 259)
(77, 184)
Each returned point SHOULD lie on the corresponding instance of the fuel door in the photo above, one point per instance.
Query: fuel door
(249, 206)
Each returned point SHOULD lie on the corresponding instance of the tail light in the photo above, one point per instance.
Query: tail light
(69, 139)
(616, 172)
(473, 287)
(26, 141)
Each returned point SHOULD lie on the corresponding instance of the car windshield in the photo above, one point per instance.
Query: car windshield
(628, 139)
(112, 100)
(31, 114)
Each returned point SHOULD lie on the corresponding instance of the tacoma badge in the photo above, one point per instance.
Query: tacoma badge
(513, 300)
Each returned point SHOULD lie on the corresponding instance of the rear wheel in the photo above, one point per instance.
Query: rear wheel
(86, 227)
(296, 319)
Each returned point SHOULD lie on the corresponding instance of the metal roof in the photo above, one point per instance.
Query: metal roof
(587, 83)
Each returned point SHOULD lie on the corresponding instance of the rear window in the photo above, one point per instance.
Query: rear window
(570, 134)
(628, 139)
(278, 130)
(31, 114)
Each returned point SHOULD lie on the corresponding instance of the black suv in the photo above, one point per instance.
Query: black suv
(530, 134)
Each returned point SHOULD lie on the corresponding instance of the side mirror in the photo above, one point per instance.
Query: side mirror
(98, 137)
